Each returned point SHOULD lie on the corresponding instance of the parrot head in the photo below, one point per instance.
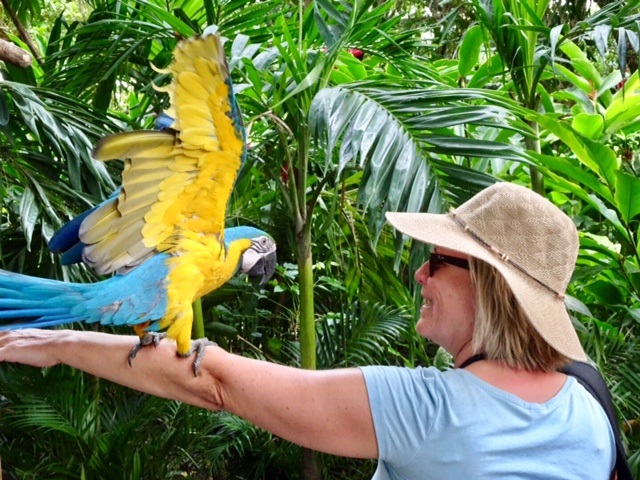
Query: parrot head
(259, 260)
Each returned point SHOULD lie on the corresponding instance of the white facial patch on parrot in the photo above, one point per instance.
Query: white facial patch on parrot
(261, 247)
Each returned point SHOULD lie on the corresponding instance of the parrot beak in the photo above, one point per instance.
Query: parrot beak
(264, 267)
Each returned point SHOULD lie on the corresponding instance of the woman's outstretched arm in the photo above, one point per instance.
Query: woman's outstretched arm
(323, 410)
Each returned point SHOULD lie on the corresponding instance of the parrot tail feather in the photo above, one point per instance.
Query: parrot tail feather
(42, 322)
(27, 302)
(34, 312)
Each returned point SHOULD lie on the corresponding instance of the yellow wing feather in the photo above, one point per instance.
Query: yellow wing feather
(175, 182)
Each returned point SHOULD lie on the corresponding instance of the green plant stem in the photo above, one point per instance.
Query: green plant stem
(307, 317)
(537, 180)
(198, 319)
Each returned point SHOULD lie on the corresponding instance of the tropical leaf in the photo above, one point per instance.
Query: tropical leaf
(360, 335)
(392, 134)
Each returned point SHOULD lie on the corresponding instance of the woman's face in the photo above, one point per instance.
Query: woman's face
(447, 314)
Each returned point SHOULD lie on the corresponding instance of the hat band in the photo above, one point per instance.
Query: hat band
(503, 257)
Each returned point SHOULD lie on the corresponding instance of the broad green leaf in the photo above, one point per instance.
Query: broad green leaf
(605, 292)
(596, 202)
(611, 81)
(601, 37)
(622, 111)
(598, 158)
(588, 125)
(608, 213)
(554, 36)
(487, 72)
(600, 243)
(347, 69)
(627, 195)
(585, 178)
(631, 86)
(29, 213)
(631, 129)
(581, 64)
(470, 50)
(576, 80)
(576, 305)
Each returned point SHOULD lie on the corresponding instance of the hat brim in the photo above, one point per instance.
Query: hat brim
(546, 311)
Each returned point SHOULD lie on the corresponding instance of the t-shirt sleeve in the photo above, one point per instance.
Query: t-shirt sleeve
(403, 404)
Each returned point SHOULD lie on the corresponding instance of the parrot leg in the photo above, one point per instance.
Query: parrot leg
(147, 339)
(198, 347)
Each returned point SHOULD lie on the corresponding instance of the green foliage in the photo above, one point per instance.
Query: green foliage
(334, 143)
(80, 425)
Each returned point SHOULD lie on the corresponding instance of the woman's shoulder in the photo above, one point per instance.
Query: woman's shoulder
(532, 387)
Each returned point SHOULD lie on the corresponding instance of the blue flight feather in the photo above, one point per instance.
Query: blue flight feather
(67, 239)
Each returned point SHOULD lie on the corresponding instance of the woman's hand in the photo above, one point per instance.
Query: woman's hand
(30, 346)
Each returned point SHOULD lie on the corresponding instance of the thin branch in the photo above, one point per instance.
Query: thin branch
(15, 55)
(24, 35)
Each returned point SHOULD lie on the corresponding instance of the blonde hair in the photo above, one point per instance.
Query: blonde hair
(502, 330)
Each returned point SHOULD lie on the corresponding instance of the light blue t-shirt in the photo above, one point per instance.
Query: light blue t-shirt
(452, 425)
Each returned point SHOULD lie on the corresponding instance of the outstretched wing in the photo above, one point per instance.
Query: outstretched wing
(176, 182)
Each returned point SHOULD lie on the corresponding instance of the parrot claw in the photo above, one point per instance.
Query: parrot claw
(147, 339)
(198, 347)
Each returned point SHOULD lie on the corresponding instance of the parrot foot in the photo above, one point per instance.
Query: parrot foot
(198, 347)
(146, 340)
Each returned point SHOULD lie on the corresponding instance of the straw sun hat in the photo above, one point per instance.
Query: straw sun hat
(526, 238)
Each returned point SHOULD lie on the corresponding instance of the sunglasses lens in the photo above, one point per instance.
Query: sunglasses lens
(436, 260)
(434, 263)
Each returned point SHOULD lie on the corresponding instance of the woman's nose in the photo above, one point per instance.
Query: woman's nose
(422, 274)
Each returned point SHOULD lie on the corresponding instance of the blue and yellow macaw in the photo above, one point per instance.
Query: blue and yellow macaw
(162, 233)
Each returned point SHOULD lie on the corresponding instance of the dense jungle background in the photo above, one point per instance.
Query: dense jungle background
(353, 109)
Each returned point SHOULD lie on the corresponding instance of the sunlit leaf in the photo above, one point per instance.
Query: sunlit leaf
(627, 195)
(470, 50)
(588, 125)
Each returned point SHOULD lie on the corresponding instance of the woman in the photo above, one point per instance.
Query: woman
(493, 297)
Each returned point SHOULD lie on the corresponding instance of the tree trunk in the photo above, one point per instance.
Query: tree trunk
(310, 467)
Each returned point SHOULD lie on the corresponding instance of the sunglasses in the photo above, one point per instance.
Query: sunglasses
(436, 260)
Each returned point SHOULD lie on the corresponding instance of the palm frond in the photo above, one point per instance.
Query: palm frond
(359, 335)
(396, 136)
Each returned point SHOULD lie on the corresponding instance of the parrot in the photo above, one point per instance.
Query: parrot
(162, 234)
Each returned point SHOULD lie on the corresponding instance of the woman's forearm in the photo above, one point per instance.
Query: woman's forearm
(326, 411)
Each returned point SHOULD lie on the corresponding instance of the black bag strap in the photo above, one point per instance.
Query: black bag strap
(593, 382)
